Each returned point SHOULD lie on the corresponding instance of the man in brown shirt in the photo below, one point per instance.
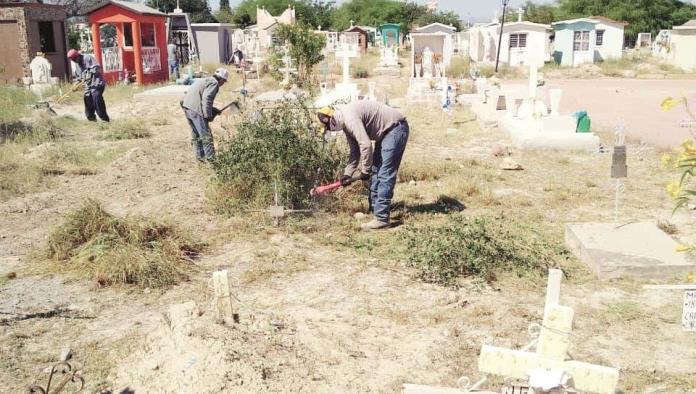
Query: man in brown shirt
(363, 122)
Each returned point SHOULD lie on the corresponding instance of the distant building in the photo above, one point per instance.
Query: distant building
(523, 43)
(362, 37)
(682, 46)
(214, 42)
(390, 34)
(588, 40)
(28, 28)
(267, 23)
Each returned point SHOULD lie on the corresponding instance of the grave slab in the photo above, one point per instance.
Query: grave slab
(636, 250)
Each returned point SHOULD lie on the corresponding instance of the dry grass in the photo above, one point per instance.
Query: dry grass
(123, 130)
(110, 250)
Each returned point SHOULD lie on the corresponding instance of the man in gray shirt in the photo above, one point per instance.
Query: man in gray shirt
(363, 122)
(199, 111)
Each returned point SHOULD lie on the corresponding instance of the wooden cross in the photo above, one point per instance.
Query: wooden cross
(551, 351)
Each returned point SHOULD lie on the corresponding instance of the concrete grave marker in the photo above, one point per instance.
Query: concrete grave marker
(689, 311)
(638, 250)
(551, 352)
(223, 297)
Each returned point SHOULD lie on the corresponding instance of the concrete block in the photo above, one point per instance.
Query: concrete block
(530, 134)
(637, 250)
(558, 124)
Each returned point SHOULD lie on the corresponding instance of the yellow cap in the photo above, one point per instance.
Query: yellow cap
(328, 111)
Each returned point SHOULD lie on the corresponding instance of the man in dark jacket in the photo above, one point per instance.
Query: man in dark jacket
(88, 71)
(199, 110)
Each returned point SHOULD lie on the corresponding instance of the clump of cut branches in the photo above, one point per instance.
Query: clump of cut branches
(481, 247)
(112, 250)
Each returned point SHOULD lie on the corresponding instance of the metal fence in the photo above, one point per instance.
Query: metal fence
(151, 60)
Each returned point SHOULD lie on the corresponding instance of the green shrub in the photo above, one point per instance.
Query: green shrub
(481, 247)
(459, 67)
(275, 150)
(112, 250)
(360, 72)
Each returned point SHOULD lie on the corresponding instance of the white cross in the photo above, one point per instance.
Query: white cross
(346, 53)
(551, 351)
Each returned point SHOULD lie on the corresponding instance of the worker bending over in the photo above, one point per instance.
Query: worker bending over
(88, 72)
(363, 122)
(199, 111)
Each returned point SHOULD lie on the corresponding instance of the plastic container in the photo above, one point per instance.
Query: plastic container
(584, 123)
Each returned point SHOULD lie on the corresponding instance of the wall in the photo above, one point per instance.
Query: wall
(534, 53)
(612, 47)
(564, 53)
(215, 41)
(684, 49)
(27, 18)
(208, 41)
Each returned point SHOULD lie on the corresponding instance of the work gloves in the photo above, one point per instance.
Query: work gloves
(347, 179)
(215, 113)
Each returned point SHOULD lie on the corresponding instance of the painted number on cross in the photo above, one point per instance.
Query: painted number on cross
(689, 311)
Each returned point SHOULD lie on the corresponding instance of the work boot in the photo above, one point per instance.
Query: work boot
(374, 224)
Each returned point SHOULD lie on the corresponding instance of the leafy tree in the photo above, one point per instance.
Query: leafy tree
(198, 10)
(641, 15)
(377, 12)
(225, 6)
(306, 47)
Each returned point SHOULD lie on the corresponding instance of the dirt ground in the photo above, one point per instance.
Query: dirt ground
(635, 102)
(318, 314)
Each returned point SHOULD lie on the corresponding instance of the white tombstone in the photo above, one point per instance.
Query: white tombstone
(388, 61)
(41, 78)
(551, 352)
(428, 63)
(223, 297)
(371, 87)
(555, 96)
(40, 69)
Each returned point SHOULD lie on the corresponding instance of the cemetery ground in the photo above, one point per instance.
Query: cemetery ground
(322, 306)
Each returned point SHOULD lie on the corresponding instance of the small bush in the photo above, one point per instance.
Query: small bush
(124, 130)
(276, 150)
(480, 247)
(112, 250)
(360, 72)
(459, 67)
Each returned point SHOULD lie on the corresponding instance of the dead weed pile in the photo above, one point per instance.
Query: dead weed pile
(123, 130)
(112, 250)
(484, 247)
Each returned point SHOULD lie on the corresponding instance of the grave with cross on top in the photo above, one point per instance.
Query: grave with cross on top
(551, 351)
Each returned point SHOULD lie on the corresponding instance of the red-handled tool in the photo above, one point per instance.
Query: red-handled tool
(326, 189)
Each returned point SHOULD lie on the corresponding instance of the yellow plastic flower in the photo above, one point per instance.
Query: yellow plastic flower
(682, 248)
(674, 189)
(689, 147)
(691, 278)
(666, 159)
(670, 103)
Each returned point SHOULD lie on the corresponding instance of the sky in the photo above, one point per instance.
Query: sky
(477, 10)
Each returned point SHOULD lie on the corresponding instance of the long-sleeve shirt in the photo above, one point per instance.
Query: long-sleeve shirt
(362, 122)
(200, 96)
(88, 71)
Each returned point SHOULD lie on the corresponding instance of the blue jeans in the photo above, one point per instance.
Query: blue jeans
(174, 68)
(201, 137)
(385, 167)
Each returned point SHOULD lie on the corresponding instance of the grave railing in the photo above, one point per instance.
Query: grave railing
(151, 60)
